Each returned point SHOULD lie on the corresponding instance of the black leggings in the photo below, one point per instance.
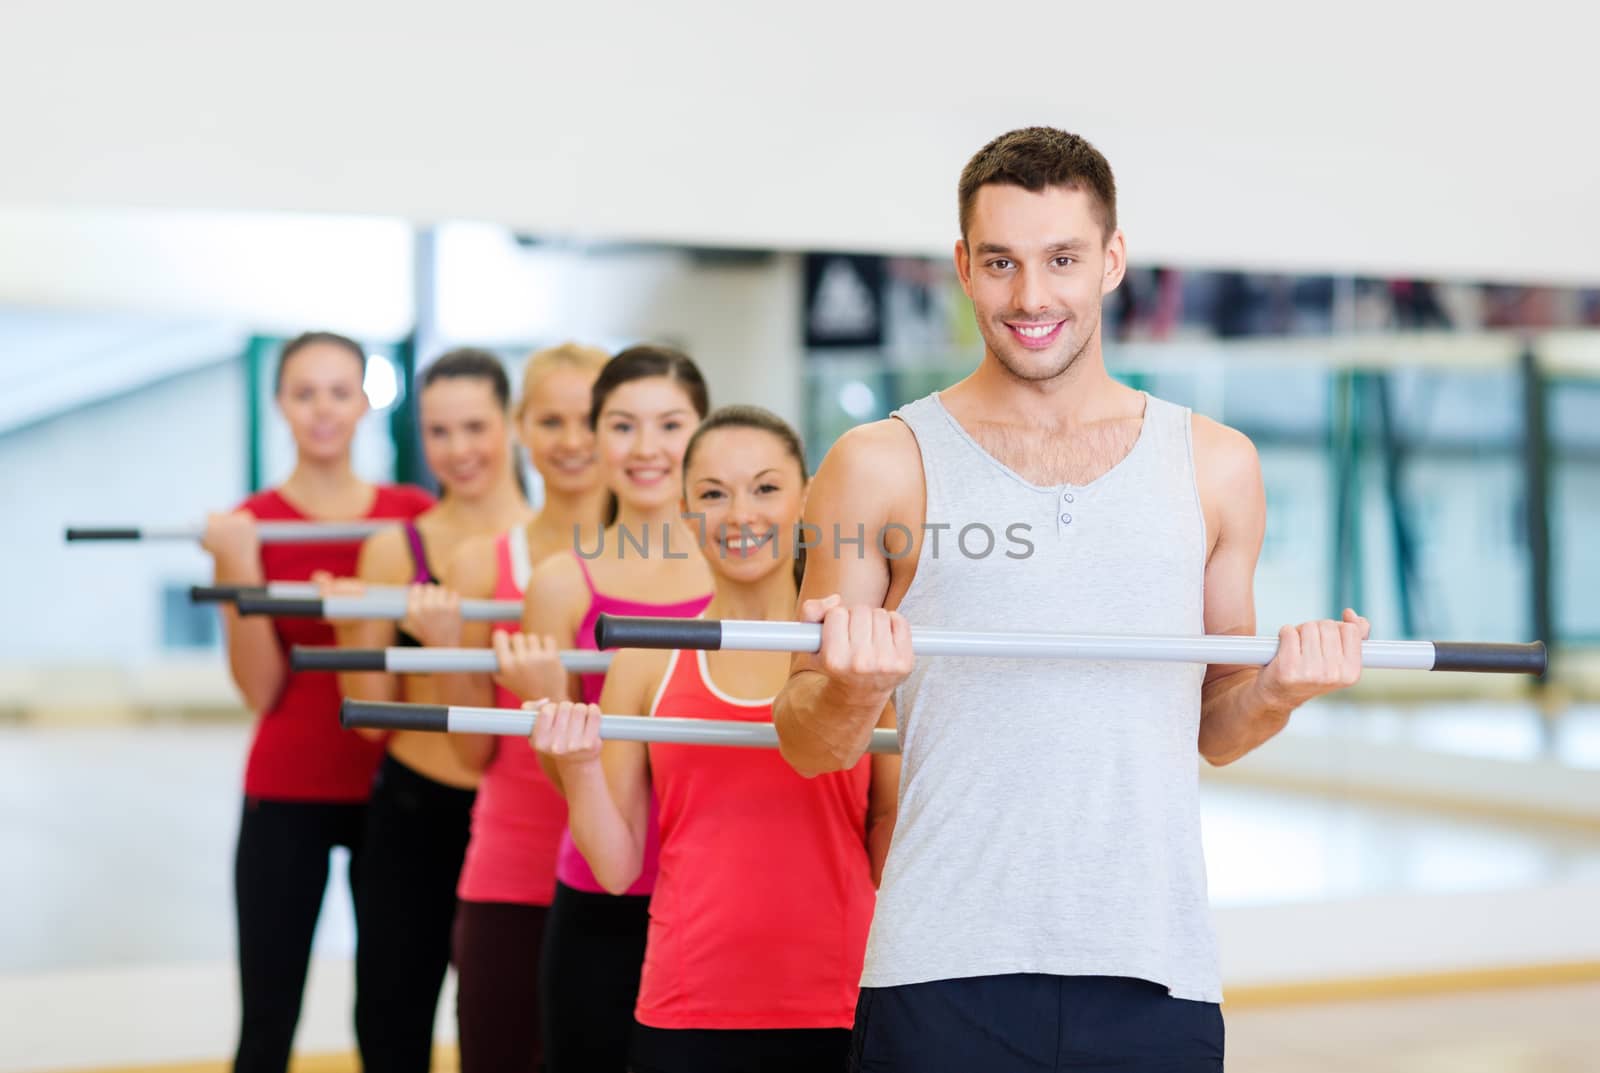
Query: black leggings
(739, 1050)
(416, 836)
(589, 979)
(497, 948)
(280, 872)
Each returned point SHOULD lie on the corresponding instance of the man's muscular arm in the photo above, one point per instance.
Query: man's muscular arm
(1243, 707)
(826, 713)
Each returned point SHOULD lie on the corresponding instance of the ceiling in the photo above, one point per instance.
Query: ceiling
(1360, 137)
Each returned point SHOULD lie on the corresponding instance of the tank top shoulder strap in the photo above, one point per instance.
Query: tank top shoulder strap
(1159, 417)
(583, 568)
(671, 679)
(1172, 453)
(520, 556)
(950, 461)
(505, 566)
(928, 421)
(423, 572)
(1168, 428)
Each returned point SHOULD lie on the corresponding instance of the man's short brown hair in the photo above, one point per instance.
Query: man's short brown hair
(1038, 157)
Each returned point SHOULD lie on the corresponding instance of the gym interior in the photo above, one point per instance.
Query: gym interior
(1368, 244)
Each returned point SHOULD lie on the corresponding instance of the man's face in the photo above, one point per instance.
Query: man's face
(1036, 267)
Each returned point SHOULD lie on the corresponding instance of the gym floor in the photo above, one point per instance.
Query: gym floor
(1532, 1030)
(121, 897)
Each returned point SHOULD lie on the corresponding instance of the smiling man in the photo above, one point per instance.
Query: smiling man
(1043, 906)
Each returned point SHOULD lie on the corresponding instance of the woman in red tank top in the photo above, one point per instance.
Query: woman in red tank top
(518, 818)
(646, 404)
(306, 781)
(759, 921)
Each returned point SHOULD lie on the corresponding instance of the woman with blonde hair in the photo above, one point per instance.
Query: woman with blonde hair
(509, 874)
(645, 405)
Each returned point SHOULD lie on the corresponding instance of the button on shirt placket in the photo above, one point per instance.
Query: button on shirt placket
(1064, 519)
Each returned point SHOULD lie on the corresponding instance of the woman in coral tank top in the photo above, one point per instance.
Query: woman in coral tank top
(766, 880)
(518, 819)
(647, 402)
(306, 782)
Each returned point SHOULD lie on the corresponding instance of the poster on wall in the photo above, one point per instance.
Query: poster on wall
(844, 300)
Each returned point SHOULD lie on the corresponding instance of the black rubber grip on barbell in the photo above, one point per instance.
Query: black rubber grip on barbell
(385, 715)
(350, 660)
(223, 594)
(621, 631)
(1491, 658)
(281, 606)
(83, 533)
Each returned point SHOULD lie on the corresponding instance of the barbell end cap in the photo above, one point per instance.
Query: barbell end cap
(280, 606)
(77, 533)
(1531, 658)
(347, 660)
(622, 631)
(223, 594)
(384, 715)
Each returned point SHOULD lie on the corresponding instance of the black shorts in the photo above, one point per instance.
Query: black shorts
(737, 1050)
(1034, 1024)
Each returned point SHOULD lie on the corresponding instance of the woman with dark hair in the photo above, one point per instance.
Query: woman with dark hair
(307, 781)
(646, 404)
(518, 819)
(420, 813)
(766, 880)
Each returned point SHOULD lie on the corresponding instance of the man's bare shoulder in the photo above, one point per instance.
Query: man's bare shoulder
(1228, 474)
(874, 452)
(872, 474)
(1223, 456)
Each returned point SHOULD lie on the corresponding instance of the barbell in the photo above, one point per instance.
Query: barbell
(400, 660)
(266, 532)
(456, 719)
(388, 606)
(619, 631)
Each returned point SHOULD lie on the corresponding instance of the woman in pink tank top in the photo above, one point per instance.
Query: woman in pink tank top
(518, 818)
(766, 881)
(646, 404)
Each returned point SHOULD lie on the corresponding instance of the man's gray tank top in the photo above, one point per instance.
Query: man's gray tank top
(1049, 809)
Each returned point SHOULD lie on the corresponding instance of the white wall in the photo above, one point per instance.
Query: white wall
(52, 361)
(275, 273)
(1374, 136)
(740, 321)
(172, 452)
(169, 452)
